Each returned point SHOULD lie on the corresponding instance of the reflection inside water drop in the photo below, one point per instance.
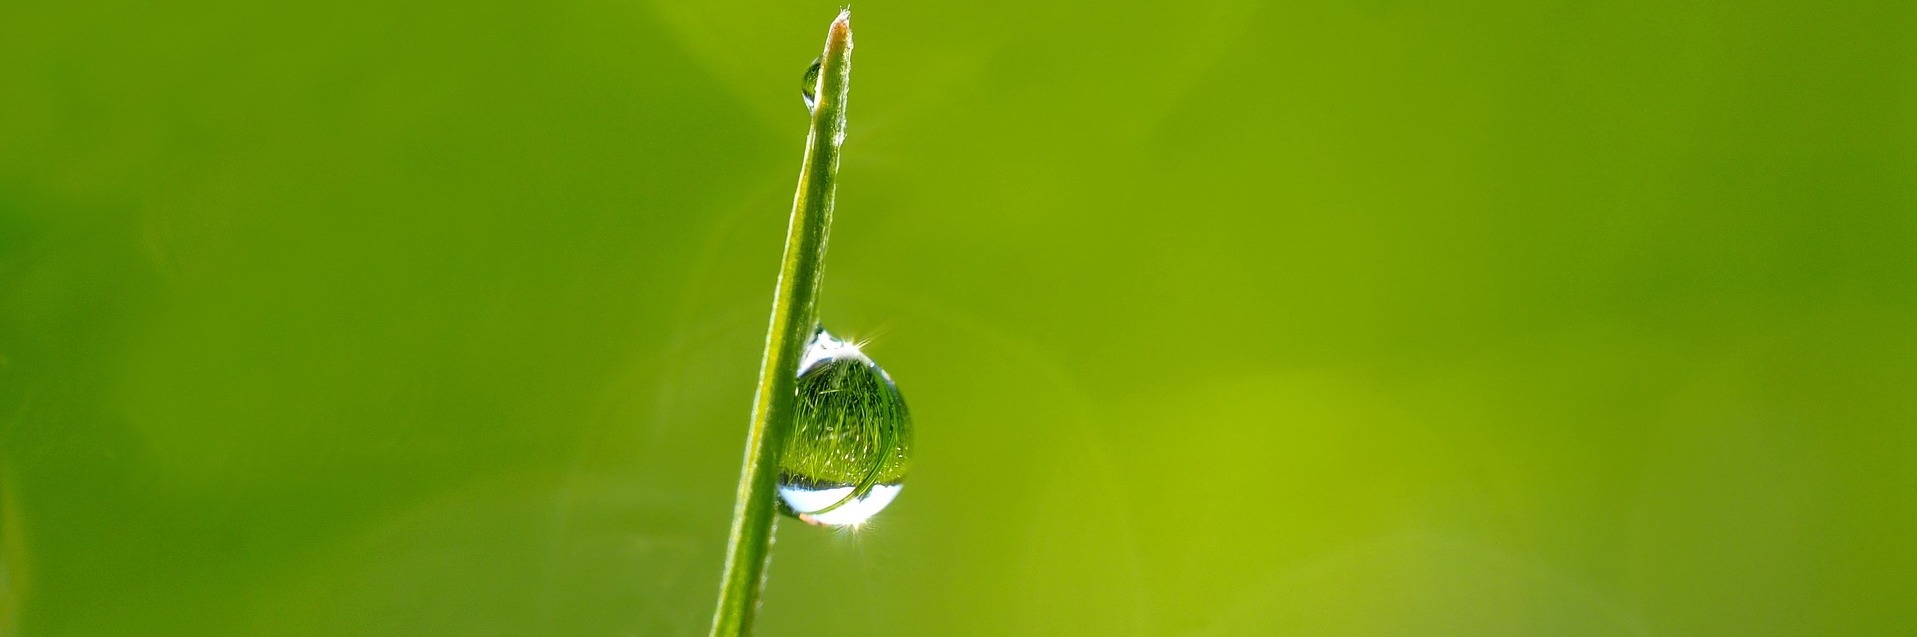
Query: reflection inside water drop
(851, 439)
(855, 512)
(809, 85)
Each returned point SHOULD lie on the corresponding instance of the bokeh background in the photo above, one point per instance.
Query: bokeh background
(1217, 318)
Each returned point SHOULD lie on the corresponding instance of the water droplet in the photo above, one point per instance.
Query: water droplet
(851, 441)
(809, 87)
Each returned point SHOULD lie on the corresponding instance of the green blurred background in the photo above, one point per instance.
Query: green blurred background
(1217, 318)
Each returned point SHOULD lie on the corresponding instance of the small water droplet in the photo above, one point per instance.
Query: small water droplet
(851, 441)
(809, 87)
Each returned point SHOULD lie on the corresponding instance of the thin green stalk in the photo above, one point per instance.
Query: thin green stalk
(793, 319)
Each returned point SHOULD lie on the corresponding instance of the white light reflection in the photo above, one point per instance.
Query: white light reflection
(851, 513)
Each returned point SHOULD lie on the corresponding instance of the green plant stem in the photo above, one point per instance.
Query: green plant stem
(793, 320)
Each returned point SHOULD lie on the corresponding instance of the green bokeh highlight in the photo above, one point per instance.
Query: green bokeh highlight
(1218, 317)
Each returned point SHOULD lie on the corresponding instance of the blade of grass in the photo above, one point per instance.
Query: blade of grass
(793, 319)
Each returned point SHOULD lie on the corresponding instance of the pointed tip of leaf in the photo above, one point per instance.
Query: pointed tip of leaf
(842, 26)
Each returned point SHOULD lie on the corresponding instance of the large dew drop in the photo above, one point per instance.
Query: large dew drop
(809, 85)
(851, 442)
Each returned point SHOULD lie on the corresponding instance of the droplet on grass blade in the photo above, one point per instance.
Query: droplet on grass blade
(809, 85)
(851, 441)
